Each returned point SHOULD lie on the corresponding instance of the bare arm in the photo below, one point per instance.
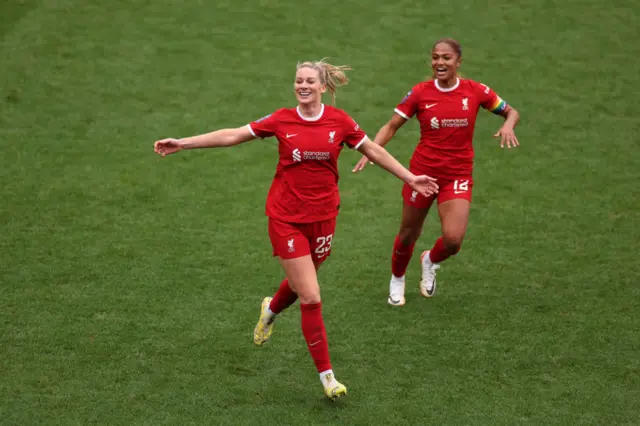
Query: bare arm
(389, 130)
(380, 156)
(505, 133)
(511, 117)
(425, 185)
(383, 137)
(217, 139)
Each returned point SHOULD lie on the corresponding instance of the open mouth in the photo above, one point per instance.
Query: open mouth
(441, 71)
(304, 94)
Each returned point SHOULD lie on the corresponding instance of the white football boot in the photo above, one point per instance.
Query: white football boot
(428, 282)
(396, 291)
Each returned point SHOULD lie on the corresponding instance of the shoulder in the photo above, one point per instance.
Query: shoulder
(474, 86)
(423, 86)
(284, 112)
(285, 116)
(416, 91)
(467, 82)
(272, 116)
(330, 109)
(336, 113)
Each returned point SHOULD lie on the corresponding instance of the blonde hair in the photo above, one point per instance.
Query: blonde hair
(331, 75)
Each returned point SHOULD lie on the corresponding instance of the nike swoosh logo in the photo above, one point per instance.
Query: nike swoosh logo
(393, 302)
(427, 106)
(315, 343)
(433, 289)
(459, 192)
(291, 135)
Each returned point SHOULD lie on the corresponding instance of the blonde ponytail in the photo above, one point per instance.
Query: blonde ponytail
(331, 75)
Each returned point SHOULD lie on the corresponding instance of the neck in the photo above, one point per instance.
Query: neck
(310, 110)
(448, 83)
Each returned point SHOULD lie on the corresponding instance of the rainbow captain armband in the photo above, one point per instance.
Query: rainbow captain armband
(498, 106)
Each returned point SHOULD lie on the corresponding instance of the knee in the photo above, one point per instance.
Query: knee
(309, 298)
(409, 235)
(452, 243)
(308, 294)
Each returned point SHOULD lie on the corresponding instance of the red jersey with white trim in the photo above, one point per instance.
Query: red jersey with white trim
(447, 121)
(305, 186)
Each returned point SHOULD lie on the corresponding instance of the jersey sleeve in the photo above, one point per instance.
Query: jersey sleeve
(264, 127)
(354, 136)
(490, 100)
(408, 107)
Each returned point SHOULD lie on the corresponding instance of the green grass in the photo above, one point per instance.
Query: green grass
(130, 284)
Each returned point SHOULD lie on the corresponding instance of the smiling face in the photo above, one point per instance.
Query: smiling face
(445, 61)
(308, 86)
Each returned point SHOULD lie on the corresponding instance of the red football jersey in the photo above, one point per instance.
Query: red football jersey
(305, 187)
(447, 120)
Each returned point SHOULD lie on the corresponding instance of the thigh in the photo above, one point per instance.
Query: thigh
(320, 237)
(288, 240)
(413, 217)
(303, 279)
(454, 217)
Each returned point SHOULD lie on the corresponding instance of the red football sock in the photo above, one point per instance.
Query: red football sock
(315, 335)
(439, 252)
(283, 298)
(400, 257)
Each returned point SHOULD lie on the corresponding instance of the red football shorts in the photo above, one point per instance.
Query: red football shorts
(448, 190)
(291, 240)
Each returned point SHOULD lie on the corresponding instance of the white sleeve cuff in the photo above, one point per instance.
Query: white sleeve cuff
(251, 130)
(361, 142)
(401, 114)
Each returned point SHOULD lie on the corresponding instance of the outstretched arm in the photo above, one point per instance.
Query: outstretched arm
(389, 130)
(383, 137)
(425, 185)
(216, 139)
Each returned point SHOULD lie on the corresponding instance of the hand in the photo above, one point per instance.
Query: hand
(167, 146)
(425, 185)
(508, 136)
(361, 164)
